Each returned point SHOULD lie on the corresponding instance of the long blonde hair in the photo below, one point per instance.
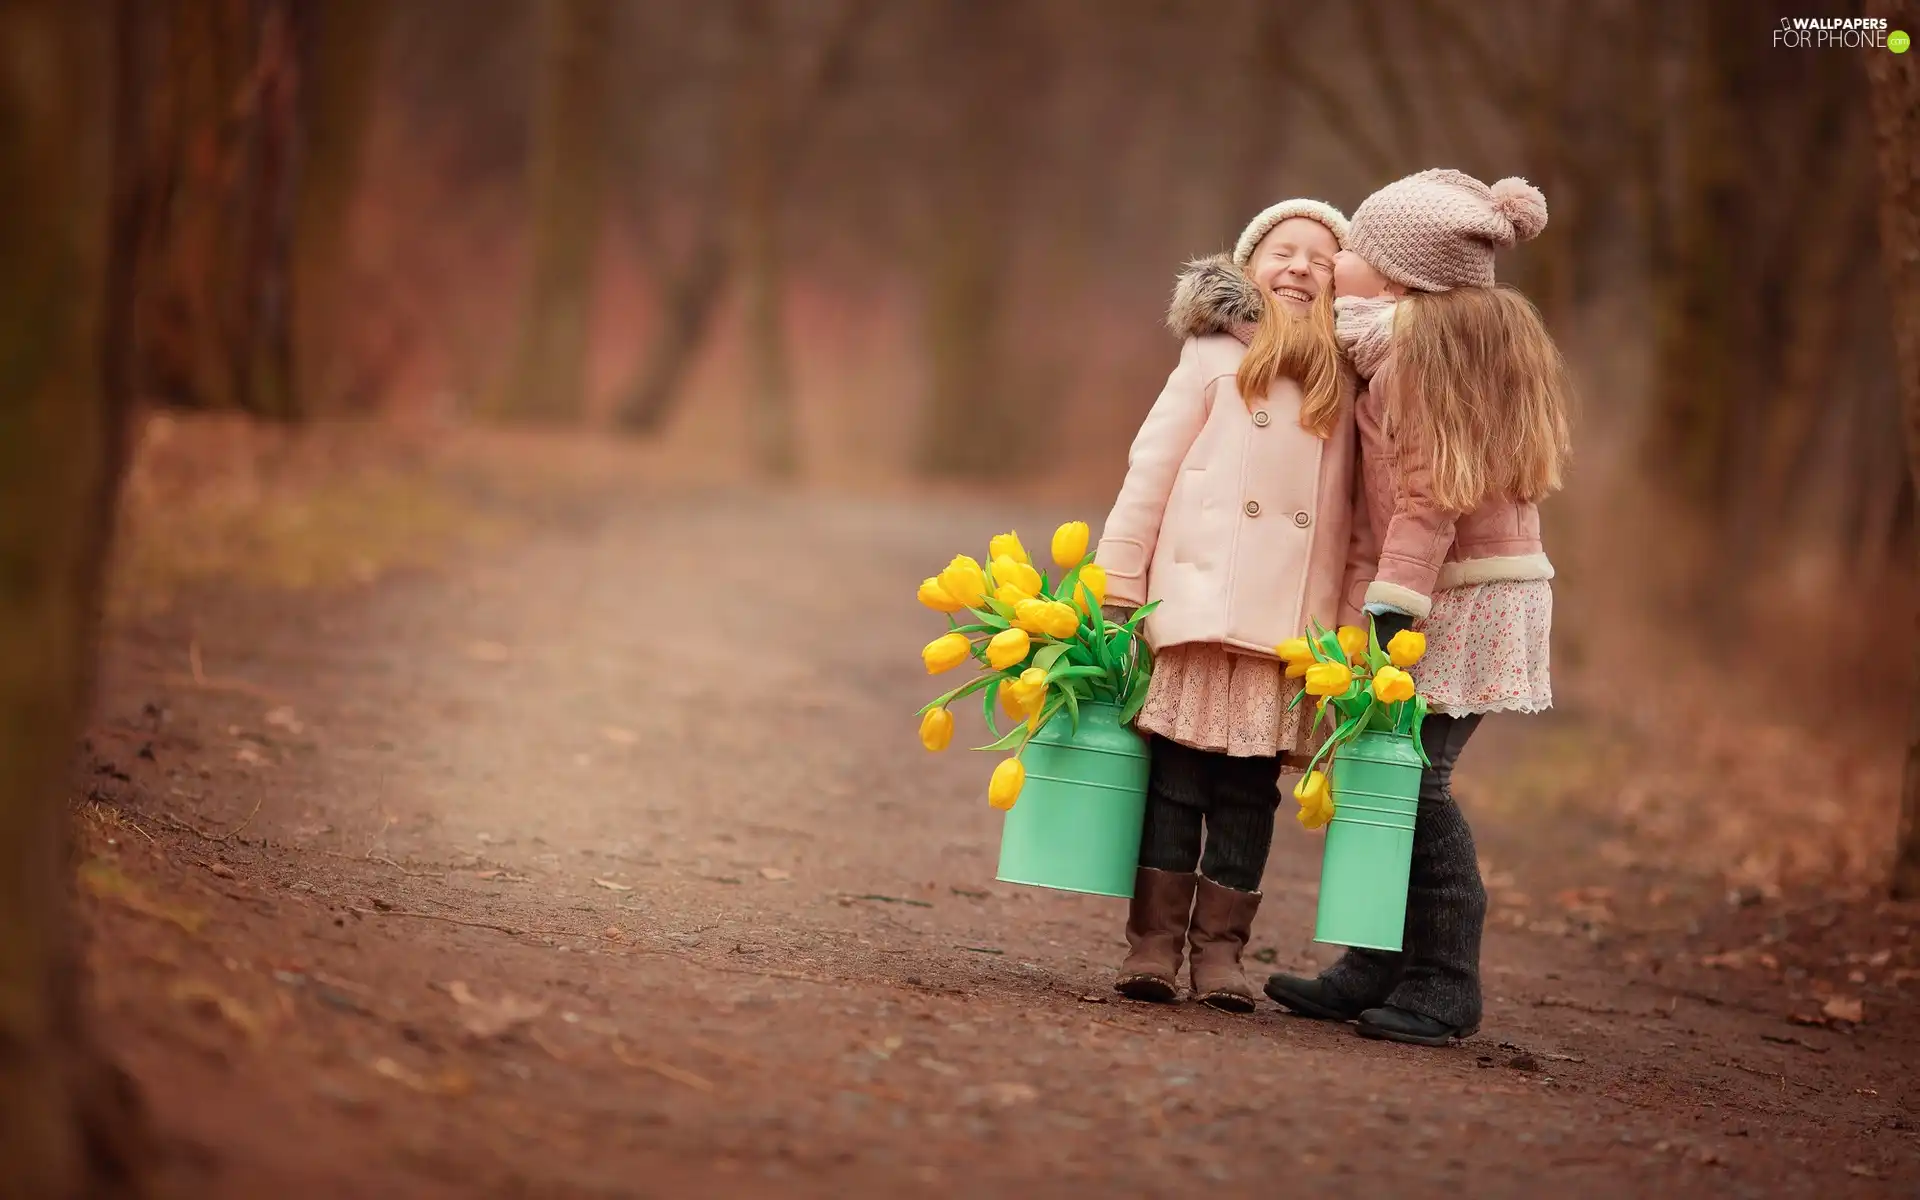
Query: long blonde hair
(1481, 384)
(1300, 348)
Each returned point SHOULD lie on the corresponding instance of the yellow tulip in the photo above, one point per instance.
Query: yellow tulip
(946, 652)
(1070, 544)
(1329, 679)
(1316, 800)
(1023, 697)
(1294, 650)
(1004, 788)
(1407, 648)
(936, 729)
(1012, 573)
(1060, 620)
(964, 581)
(1353, 641)
(1007, 545)
(1093, 583)
(1298, 670)
(1008, 647)
(1030, 614)
(1391, 684)
(935, 597)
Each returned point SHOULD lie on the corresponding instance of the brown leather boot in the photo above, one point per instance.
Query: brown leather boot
(1157, 934)
(1222, 919)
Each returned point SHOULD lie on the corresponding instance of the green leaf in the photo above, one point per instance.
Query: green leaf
(975, 628)
(1068, 672)
(1136, 700)
(1017, 734)
(965, 689)
(1050, 655)
(991, 620)
(1419, 719)
(1295, 702)
(993, 695)
(1330, 641)
(1376, 657)
(1073, 706)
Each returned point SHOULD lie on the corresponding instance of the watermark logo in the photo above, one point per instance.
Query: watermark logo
(1839, 33)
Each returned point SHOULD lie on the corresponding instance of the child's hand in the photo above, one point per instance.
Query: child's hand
(1387, 624)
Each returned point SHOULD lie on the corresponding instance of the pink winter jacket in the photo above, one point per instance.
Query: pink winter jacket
(1233, 517)
(1420, 547)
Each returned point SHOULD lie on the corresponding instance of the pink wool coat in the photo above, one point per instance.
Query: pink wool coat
(1420, 547)
(1234, 518)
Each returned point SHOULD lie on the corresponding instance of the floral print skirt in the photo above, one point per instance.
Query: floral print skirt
(1487, 648)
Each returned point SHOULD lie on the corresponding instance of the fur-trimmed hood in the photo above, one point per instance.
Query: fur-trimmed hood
(1214, 296)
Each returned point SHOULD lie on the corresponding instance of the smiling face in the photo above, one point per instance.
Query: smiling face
(1294, 262)
(1355, 276)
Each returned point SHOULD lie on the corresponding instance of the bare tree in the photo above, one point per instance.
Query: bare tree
(70, 1123)
(773, 121)
(337, 103)
(547, 377)
(1895, 83)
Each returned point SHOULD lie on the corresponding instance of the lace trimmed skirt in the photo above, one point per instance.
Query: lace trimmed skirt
(1209, 697)
(1487, 648)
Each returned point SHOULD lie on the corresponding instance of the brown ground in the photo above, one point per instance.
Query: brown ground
(604, 862)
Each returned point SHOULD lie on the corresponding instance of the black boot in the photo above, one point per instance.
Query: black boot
(1390, 1024)
(1310, 998)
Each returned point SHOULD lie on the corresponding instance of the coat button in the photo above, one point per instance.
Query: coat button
(1253, 508)
(1303, 518)
(1261, 418)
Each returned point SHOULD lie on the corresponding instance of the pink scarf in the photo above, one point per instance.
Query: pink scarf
(1364, 329)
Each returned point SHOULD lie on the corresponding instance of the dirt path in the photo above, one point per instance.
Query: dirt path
(611, 867)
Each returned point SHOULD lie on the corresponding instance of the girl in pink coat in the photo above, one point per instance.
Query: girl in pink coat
(1234, 517)
(1463, 429)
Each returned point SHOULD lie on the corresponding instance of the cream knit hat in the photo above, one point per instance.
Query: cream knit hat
(1438, 229)
(1313, 210)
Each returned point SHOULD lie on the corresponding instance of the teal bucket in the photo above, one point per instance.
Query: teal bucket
(1363, 872)
(1076, 826)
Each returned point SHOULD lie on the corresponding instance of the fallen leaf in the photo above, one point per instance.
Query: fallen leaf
(447, 1083)
(249, 757)
(1009, 1094)
(219, 868)
(493, 1018)
(1844, 1008)
(205, 998)
(1862, 1171)
(611, 886)
(663, 1070)
(618, 736)
(283, 718)
(488, 652)
(775, 874)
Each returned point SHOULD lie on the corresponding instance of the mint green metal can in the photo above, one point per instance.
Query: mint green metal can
(1369, 851)
(1076, 826)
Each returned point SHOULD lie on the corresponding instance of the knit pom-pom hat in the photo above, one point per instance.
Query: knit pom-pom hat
(1438, 229)
(1313, 210)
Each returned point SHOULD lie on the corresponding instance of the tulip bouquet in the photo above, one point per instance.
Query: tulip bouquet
(1366, 687)
(1041, 644)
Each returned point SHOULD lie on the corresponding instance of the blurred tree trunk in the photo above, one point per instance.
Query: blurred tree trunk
(70, 1122)
(686, 312)
(1895, 83)
(547, 377)
(337, 100)
(974, 423)
(218, 140)
(772, 125)
(757, 238)
(1698, 350)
